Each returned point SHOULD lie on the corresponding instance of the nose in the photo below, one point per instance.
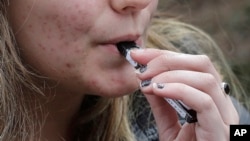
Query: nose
(129, 6)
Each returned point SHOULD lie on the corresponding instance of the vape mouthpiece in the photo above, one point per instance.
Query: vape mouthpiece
(124, 47)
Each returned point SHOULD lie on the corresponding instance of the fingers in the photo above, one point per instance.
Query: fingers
(191, 78)
(143, 56)
(209, 118)
(166, 61)
(203, 104)
(187, 133)
(205, 83)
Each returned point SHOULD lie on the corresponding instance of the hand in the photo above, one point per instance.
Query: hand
(194, 80)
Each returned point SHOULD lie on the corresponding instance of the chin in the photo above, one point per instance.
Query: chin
(125, 89)
(116, 91)
(126, 92)
(114, 85)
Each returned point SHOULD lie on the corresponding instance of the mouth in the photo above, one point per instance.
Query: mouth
(121, 43)
(124, 47)
(124, 38)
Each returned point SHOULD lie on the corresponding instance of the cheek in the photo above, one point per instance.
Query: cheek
(77, 17)
(55, 38)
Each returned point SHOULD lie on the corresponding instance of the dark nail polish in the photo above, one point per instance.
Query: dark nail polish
(160, 85)
(145, 83)
(143, 69)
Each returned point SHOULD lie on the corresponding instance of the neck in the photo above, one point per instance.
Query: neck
(59, 112)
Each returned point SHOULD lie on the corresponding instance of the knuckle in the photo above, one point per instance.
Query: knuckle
(204, 58)
(163, 58)
(207, 102)
(210, 79)
(205, 61)
(163, 62)
(181, 88)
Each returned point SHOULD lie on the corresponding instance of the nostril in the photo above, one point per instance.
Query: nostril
(129, 9)
(128, 6)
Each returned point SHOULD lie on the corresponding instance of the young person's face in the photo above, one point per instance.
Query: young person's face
(73, 41)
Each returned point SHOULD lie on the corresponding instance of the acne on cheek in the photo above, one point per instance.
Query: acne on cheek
(116, 81)
(77, 17)
(55, 36)
(65, 30)
(40, 45)
(69, 65)
(64, 25)
(93, 83)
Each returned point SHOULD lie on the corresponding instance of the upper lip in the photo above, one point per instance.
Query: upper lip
(127, 37)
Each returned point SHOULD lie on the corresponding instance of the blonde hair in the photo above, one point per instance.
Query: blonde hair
(14, 78)
(106, 121)
(183, 37)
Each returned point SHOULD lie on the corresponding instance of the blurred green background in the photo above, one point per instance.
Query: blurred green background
(227, 21)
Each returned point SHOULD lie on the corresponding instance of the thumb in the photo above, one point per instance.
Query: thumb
(165, 116)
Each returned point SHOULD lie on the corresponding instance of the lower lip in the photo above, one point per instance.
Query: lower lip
(110, 48)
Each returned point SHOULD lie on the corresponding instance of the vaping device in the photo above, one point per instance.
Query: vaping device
(183, 110)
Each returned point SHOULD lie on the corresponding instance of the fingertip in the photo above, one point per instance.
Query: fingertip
(137, 51)
(158, 86)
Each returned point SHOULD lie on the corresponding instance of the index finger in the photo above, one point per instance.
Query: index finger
(143, 56)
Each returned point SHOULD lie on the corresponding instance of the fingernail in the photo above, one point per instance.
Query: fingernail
(137, 50)
(142, 69)
(145, 83)
(158, 85)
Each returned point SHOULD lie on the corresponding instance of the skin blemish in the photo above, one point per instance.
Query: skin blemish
(66, 43)
(48, 36)
(23, 17)
(29, 6)
(77, 50)
(93, 83)
(68, 65)
(61, 37)
(79, 12)
(77, 6)
(55, 16)
(41, 46)
(73, 17)
(59, 26)
(116, 81)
